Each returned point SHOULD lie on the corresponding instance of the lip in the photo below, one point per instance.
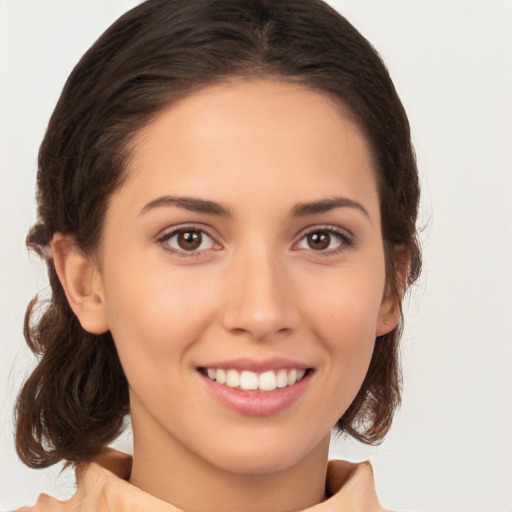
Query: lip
(254, 403)
(258, 366)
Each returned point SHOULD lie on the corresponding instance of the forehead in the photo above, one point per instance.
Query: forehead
(241, 137)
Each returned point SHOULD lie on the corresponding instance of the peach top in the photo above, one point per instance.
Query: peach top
(102, 486)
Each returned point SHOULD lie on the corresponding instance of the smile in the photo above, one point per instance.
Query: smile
(257, 389)
(251, 381)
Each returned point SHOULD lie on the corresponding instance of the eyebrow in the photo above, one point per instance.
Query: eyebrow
(213, 208)
(189, 203)
(326, 205)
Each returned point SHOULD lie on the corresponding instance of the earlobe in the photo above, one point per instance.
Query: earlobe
(391, 305)
(81, 282)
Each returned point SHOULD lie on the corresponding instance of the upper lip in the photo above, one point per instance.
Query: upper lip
(257, 366)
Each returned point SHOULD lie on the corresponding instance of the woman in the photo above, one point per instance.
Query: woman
(227, 200)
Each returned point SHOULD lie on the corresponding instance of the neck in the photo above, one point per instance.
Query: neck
(167, 470)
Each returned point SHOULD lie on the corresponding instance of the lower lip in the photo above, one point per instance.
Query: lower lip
(250, 403)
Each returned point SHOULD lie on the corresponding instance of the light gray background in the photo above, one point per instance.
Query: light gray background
(450, 448)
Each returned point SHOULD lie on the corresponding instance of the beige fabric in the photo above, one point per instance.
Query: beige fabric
(103, 487)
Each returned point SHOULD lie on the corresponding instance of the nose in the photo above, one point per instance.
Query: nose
(260, 302)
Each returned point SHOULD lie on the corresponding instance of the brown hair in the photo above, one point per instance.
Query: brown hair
(75, 401)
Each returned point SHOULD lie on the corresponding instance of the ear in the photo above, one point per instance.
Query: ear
(81, 282)
(390, 307)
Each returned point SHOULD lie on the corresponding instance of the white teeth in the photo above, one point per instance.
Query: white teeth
(267, 381)
(233, 379)
(282, 379)
(249, 381)
(252, 381)
(220, 377)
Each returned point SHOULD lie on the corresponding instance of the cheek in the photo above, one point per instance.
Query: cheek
(155, 313)
(342, 312)
(344, 306)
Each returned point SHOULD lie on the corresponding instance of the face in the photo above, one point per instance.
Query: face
(242, 274)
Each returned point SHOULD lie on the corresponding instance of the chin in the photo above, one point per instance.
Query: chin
(266, 455)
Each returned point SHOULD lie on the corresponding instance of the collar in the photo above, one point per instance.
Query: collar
(102, 486)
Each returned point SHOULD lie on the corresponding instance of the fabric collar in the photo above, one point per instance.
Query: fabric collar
(102, 486)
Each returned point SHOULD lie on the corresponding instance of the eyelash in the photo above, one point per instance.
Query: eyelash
(346, 240)
(164, 239)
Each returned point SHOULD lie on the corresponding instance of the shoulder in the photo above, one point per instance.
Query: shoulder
(94, 479)
(102, 486)
(46, 503)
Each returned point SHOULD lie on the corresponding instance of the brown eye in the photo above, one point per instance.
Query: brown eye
(187, 240)
(319, 240)
(326, 241)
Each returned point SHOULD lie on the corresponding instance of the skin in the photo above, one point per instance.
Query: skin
(256, 289)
